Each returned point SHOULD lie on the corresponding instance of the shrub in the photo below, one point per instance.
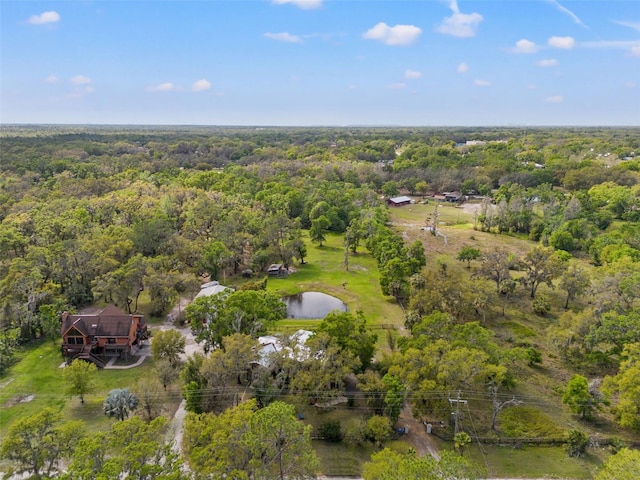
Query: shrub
(355, 432)
(541, 305)
(331, 430)
(576, 443)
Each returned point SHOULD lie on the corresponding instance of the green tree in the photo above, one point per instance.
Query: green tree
(244, 311)
(350, 333)
(37, 443)
(541, 265)
(319, 229)
(391, 465)
(394, 398)
(243, 443)
(120, 402)
(627, 388)
(80, 377)
(279, 445)
(467, 254)
(131, 449)
(461, 441)
(216, 256)
(379, 429)
(168, 344)
(575, 281)
(624, 465)
(578, 397)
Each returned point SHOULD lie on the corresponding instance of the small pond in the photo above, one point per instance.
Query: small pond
(312, 305)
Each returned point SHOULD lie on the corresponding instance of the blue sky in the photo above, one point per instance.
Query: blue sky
(321, 62)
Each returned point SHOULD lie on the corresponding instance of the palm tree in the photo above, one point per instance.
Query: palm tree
(120, 403)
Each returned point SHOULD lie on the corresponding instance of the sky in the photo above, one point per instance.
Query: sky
(321, 62)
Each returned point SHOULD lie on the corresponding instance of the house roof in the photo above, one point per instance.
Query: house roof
(402, 199)
(211, 288)
(271, 344)
(110, 322)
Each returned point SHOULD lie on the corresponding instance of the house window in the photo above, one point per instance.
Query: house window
(74, 337)
(111, 340)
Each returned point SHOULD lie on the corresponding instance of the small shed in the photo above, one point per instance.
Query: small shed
(277, 270)
(399, 201)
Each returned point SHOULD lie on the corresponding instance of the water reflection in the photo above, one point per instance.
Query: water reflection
(312, 305)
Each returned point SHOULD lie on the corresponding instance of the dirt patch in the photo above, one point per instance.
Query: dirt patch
(18, 399)
(417, 435)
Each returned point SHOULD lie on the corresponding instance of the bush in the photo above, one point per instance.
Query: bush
(331, 431)
(528, 422)
(541, 305)
(378, 429)
(576, 443)
(355, 432)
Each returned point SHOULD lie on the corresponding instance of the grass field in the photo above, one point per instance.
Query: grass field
(324, 271)
(36, 382)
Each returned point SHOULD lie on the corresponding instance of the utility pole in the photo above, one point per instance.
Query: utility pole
(456, 414)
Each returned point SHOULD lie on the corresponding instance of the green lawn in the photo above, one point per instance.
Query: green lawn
(324, 271)
(534, 462)
(35, 382)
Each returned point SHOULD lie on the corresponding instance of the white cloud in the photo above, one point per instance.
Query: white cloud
(634, 25)
(463, 68)
(555, 99)
(635, 51)
(44, 17)
(525, 46)
(566, 43)
(303, 4)
(396, 35)
(80, 80)
(163, 87)
(460, 24)
(630, 84)
(573, 16)
(51, 79)
(547, 62)
(412, 74)
(284, 37)
(532, 87)
(397, 86)
(482, 83)
(201, 85)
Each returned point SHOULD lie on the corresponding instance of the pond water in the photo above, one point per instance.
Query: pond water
(312, 305)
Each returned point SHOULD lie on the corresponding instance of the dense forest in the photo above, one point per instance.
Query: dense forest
(140, 217)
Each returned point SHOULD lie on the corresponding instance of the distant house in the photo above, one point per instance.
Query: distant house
(399, 201)
(277, 270)
(271, 344)
(211, 288)
(108, 333)
(452, 196)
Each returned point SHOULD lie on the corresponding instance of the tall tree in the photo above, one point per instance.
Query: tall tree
(168, 344)
(624, 465)
(541, 265)
(37, 443)
(626, 387)
(575, 281)
(495, 266)
(80, 377)
(579, 398)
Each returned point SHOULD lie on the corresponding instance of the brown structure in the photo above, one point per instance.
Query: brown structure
(399, 201)
(95, 337)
